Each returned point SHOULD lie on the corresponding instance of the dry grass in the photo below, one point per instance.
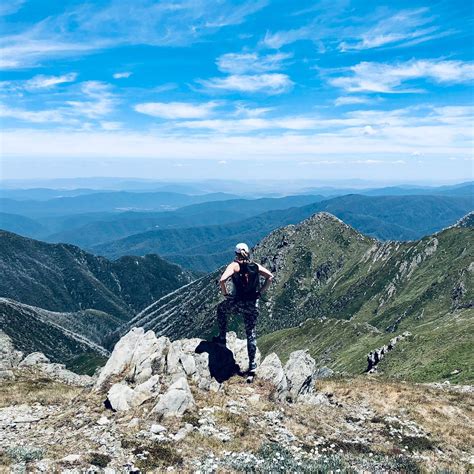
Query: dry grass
(355, 422)
(37, 390)
(445, 416)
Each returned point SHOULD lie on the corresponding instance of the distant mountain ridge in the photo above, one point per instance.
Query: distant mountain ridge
(106, 201)
(207, 247)
(62, 277)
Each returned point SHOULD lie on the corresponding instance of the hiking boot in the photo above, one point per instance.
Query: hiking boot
(252, 368)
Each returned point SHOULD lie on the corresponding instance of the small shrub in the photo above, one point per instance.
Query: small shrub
(24, 453)
(98, 459)
(156, 455)
(417, 443)
(272, 457)
(191, 418)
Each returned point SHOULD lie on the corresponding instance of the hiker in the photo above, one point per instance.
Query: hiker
(245, 276)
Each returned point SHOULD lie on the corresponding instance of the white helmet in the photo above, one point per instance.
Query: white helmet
(240, 247)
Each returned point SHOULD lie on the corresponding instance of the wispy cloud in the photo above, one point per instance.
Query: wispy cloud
(349, 100)
(122, 75)
(382, 28)
(87, 28)
(94, 101)
(45, 82)
(444, 131)
(401, 27)
(33, 116)
(176, 110)
(274, 83)
(281, 38)
(10, 7)
(99, 100)
(244, 63)
(387, 78)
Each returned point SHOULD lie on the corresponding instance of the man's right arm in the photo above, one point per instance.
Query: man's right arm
(228, 272)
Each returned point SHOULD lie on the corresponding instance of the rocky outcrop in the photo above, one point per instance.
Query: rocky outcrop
(133, 357)
(12, 359)
(271, 369)
(121, 397)
(9, 356)
(144, 367)
(375, 356)
(33, 359)
(142, 364)
(299, 372)
(176, 400)
(295, 381)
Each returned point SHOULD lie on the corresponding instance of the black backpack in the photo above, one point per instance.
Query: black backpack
(246, 281)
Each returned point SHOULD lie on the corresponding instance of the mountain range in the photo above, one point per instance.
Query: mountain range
(344, 294)
(338, 292)
(204, 248)
(64, 278)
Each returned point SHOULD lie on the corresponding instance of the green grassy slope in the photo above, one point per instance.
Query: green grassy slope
(356, 292)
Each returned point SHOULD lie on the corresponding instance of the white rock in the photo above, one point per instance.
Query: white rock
(135, 357)
(177, 399)
(183, 432)
(271, 369)
(103, 420)
(120, 396)
(145, 391)
(156, 428)
(299, 372)
(60, 373)
(72, 458)
(9, 356)
(314, 399)
(6, 375)
(33, 359)
(134, 423)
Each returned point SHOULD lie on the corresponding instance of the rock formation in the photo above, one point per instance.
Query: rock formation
(375, 356)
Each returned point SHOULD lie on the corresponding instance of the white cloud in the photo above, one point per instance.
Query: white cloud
(122, 75)
(243, 63)
(338, 27)
(176, 110)
(369, 130)
(44, 82)
(94, 101)
(348, 100)
(266, 83)
(34, 116)
(95, 27)
(387, 78)
(282, 38)
(252, 124)
(399, 28)
(242, 110)
(99, 101)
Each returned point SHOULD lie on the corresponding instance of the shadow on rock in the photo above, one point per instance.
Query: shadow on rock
(222, 365)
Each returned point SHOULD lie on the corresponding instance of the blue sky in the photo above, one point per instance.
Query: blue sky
(330, 89)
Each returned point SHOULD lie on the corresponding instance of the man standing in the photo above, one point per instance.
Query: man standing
(245, 276)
